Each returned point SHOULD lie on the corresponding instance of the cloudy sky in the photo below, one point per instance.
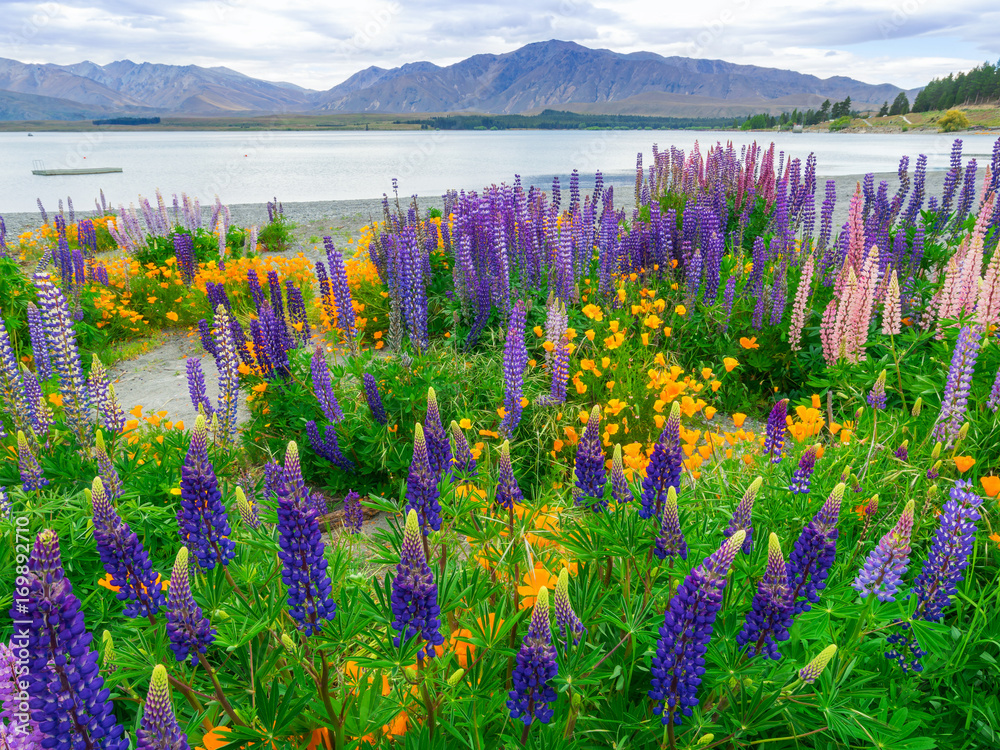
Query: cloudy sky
(317, 45)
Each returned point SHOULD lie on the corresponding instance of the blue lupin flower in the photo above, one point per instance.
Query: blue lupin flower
(323, 387)
(536, 667)
(201, 517)
(678, 663)
(438, 445)
(570, 625)
(620, 489)
(39, 345)
(415, 609)
(328, 446)
(353, 516)
(591, 476)
(508, 493)
(32, 478)
(159, 729)
(770, 615)
(422, 493)
(515, 359)
(774, 439)
(813, 554)
(742, 519)
(883, 569)
(671, 541)
(665, 464)
(802, 476)
(188, 629)
(463, 461)
(374, 399)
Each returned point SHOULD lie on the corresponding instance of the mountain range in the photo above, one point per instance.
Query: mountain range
(543, 75)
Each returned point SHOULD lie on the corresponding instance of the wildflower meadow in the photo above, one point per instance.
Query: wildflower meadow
(693, 467)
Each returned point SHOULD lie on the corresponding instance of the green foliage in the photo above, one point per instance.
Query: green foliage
(840, 123)
(952, 121)
(205, 242)
(276, 236)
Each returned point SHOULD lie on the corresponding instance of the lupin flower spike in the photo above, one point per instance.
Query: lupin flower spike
(876, 397)
(229, 378)
(249, 513)
(814, 552)
(665, 465)
(742, 519)
(188, 629)
(802, 476)
(770, 615)
(462, 460)
(32, 478)
(687, 628)
(515, 359)
(106, 469)
(196, 388)
(591, 476)
(201, 517)
(812, 671)
(159, 729)
(536, 666)
(620, 490)
(124, 558)
(374, 399)
(774, 440)
(508, 493)
(109, 658)
(884, 567)
(323, 387)
(5, 507)
(414, 594)
(671, 541)
(302, 553)
(422, 493)
(353, 515)
(102, 395)
(570, 626)
(438, 445)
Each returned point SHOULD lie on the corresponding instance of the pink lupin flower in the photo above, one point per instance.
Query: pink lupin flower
(799, 310)
(892, 322)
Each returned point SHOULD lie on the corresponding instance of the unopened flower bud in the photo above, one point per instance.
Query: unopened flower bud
(811, 671)
(288, 643)
(456, 677)
(935, 454)
(963, 432)
(916, 406)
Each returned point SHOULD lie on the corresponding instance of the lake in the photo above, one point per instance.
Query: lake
(253, 167)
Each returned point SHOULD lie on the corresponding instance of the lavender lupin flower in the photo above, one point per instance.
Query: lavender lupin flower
(302, 553)
(415, 609)
(536, 666)
(38, 410)
(249, 512)
(462, 461)
(196, 388)
(903, 451)
(742, 519)
(956, 394)
(802, 476)
(422, 493)
(570, 626)
(229, 377)
(591, 476)
(341, 291)
(189, 631)
(812, 671)
(664, 469)
(202, 518)
(515, 359)
(323, 387)
(67, 697)
(687, 628)
(39, 345)
(159, 729)
(11, 384)
(876, 397)
(32, 478)
(124, 558)
(815, 549)
(353, 516)
(884, 567)
(774, 440)
(17, 729)
(671, 541)
(438, 445)
(508, 493)
(620, 489)
(770, 615)
(374, 399)
(328, 446)
(102, 394)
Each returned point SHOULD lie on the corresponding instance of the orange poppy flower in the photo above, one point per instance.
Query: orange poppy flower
(730, 363)
(749, 343)
(991, 485)
(739, 418)
(534, 581)
(964, 463)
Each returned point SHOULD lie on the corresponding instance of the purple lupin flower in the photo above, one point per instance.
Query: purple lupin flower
(620, 489)
(297, 312)
(422, 493)
(196, 388)
(802, 476)
(876, 397)
(559, 363)
(189, 631)
(302, 553)
(341, 291)
(687, 628)
(812, 671)
(124, 558)
(39, 346)
(742, 519)
(993, 402)
(229, 376)
(770, 615)
(5, 506)
(17, 729)
(38, 410)
(249, 512)
(11, 384)
(102, 395)
(353, 516)
(508, 493)
(774, 440)
(106, 469)
(815, 549)
(32, 478)
(67, 697)
(515, 359)
(536, 666)
(570, 626)
(671, 541)
(328, 446)
(665, 464)
(205, 334)
(438, 445)
(159, 729)
(323, 387)
(591, 476)
(202, 518)
(903, 451)
(956, 392)
(65, 355)
(374, 399)
(883, 569)
(415, 609)
(462, 461)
